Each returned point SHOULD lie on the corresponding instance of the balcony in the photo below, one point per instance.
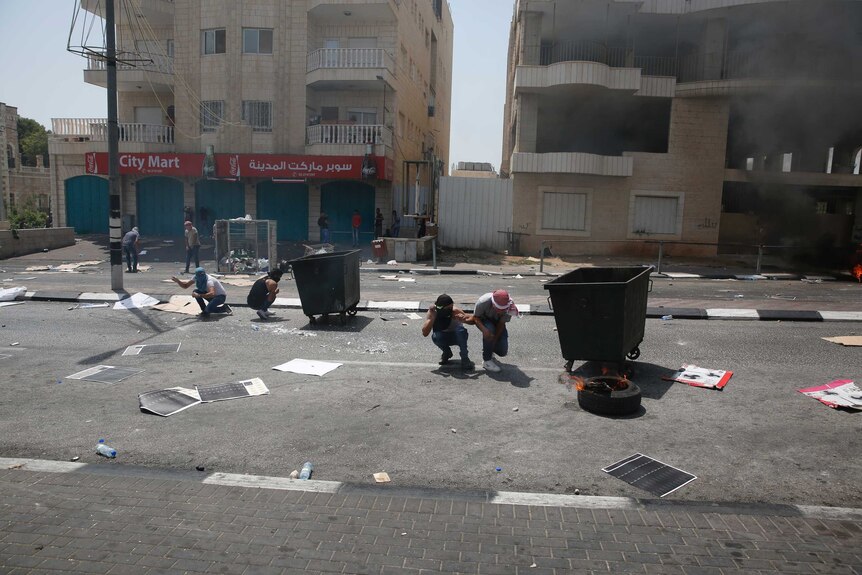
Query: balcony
(155, 74)
(80, 135)
(349, 68)
(572, 163)
(351, 12)
(347, 139)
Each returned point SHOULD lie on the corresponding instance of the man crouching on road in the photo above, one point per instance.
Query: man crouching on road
(445, 324)
(206, 288)
(493, 310)
(263, 293)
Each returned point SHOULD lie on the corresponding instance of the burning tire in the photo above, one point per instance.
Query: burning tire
(609, 395)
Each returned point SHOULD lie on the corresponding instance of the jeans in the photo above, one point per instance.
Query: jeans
(355, 237)
(446, 339)
(131, 257)
(489, 348)
(324, 235)
(215, 305)
(193, 253)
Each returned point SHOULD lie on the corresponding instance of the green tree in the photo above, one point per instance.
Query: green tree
(32, 141)
(27, 216)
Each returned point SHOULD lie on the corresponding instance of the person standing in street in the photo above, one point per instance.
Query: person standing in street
(131, 247)
(323, 224)
(263, 293)
(445, 323)
(193, 246)
(378, 224)
(493, 310)
(356, 223)
(208, 292)
(396, 224)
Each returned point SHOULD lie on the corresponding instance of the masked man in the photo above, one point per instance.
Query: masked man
(445, 323)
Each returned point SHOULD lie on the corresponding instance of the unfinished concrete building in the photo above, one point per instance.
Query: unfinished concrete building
(701, 123)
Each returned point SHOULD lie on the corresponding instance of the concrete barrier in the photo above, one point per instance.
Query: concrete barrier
(22, 242)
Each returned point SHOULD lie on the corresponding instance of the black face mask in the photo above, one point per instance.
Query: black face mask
(443, 319)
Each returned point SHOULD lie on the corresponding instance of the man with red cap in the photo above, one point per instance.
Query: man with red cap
(493, 310)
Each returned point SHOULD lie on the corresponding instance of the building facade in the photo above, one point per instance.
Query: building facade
(275, 109)
(699, 122)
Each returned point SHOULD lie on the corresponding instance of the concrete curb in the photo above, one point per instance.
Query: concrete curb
(666, 314)
(477, 495)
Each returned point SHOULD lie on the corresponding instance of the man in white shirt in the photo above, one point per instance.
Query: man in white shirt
(493, 310)
(209, 289)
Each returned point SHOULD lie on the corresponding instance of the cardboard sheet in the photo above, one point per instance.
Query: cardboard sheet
(105, 374)
(184, 304)
(169, 401)
(307, 367)
(649, 474)
(241, 281)
(153, 348)
(846, 340)
(701, 376)
(234, 390)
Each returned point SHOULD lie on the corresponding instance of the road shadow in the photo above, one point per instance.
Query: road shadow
(453, 370)
(332, 323)
(511, 374)
(573, 406)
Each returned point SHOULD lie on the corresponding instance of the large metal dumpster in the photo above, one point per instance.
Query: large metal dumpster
(328, 283)
(600, 312)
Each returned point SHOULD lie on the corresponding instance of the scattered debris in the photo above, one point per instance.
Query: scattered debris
(294, 474)
(413, 315)
(11, 294)
(8, 303)
(105, 374)
(649, 474)
(152, 349)
(846, 340)
(837, 393)
(372, 408)
(307, 367)
(514, 409)
(14, 343)
(701, 377)
(76, 458)
(519, 277)
(200, 468)
(89, 305)
(166, 402)
(453, 430)
(184, 304)
(392, 263)
(16, 466)
(136, 301)
(382, 477)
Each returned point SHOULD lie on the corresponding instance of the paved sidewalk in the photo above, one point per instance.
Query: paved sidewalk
(110, 518)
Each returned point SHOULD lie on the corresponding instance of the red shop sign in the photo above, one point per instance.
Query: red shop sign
(300, 167)
(162, 164)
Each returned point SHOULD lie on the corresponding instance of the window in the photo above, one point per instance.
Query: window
(212, 112)
(257, 41)
(565, 211)
(258, 115)
(213, 41)
(656, 214)
(363, 116)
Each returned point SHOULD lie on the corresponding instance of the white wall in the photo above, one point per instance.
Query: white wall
(472, 211)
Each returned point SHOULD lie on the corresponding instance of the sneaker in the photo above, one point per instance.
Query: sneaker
(262, 314)
(227, 310)
(270, 313)
(447, 355)
(491, 366)
(467, 365)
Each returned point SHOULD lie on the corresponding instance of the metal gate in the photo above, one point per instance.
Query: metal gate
(160, 207)
(338, 200)
(87, 204)
(216, 200)
(287, 204)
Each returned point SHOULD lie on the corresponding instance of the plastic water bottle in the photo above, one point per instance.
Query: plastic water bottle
(666, 317)
(307, 468)
(103, 449)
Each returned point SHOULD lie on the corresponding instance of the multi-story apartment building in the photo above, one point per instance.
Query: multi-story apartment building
(273, 108)
(695, 121)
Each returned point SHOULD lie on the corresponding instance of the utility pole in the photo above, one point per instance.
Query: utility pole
(113, 151)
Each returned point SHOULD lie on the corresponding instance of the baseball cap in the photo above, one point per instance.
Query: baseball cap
(501, 299)
(443, 300)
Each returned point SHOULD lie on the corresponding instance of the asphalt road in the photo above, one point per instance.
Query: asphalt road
(390, 408)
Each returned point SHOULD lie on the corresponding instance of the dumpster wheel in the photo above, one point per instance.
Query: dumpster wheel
(634, 354)
(351, 311)
(607, 395)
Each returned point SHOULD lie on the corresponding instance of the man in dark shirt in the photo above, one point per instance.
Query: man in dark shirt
(263, 293)
(445, 324)
(131, 246)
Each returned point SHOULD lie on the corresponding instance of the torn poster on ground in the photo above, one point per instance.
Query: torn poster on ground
(169, 401)
(308, 367)
(701, 376)
(105, 374)
(837, 393)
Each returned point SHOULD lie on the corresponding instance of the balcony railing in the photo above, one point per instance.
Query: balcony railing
(152, 63)
(96, 130)
(347, 58)
(613, 56)
(768, 64)
(373, 134)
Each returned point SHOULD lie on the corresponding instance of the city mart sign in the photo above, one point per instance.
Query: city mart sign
(235, 166)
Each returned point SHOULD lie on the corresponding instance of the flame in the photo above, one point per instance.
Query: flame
(857, 272)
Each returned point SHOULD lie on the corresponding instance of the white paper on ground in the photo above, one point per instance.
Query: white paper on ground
(139, 300)
(11, 294)
(413, 315)
(307, 366)
(5, 303)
